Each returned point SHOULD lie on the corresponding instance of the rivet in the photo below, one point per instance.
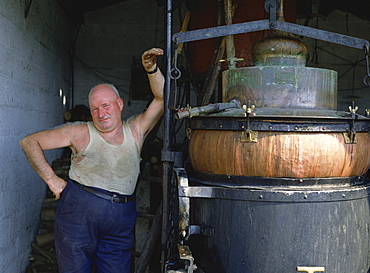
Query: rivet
(260, 197)
(296, 128)
(343, 195)
(270, 127)
(305, 196)
(301, 180)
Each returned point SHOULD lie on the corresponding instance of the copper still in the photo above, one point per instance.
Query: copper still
(277, 176)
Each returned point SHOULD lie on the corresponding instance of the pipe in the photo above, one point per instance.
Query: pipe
(211, 108)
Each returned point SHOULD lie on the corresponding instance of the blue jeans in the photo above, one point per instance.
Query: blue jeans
(93, 232)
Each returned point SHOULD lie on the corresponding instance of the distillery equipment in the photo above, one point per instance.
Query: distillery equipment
(276, 180)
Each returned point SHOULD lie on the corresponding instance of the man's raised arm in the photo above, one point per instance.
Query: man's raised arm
(146, 121)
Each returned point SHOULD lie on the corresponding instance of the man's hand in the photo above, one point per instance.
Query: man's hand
(57, 186)
(149, 58)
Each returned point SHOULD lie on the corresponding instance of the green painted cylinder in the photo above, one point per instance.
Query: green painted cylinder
(281, 87)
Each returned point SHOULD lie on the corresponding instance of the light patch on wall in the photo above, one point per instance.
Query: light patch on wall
(64, 100)
(60, 92)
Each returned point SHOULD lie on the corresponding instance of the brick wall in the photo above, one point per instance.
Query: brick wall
(33, 70)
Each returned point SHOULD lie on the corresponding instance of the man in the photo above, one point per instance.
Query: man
(96, 212)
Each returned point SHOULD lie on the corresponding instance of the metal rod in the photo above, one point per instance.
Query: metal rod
(167, 139)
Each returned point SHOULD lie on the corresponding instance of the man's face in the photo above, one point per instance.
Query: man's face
(106, 108)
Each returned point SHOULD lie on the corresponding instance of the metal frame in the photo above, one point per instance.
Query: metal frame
(169, 157)
(279, 124)
(300, 30)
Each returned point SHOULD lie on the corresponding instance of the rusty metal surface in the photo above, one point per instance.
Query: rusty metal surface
(280, 48)
(260, 235)
(286, 113)
(278, 124)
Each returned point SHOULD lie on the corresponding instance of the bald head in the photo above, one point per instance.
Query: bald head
(103, 86)
(105, 106)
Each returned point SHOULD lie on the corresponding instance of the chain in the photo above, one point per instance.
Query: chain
(367, 77)
(175, 74)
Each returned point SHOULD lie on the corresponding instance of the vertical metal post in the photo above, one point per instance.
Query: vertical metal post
(167, 139)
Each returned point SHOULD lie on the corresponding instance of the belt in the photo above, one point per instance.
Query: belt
(114, 198)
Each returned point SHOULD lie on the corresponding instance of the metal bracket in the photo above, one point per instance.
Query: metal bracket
(186, 230)
(350, 137)
(184, 202)
(248, 135)
(187, 256)
(200, 230)
(272, 7)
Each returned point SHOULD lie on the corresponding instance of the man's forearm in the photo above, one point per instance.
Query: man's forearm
(37, 160)
(156, 82)
(156, 78)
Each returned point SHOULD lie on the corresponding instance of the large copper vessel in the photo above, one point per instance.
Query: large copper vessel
(281, 180)
(305, 136)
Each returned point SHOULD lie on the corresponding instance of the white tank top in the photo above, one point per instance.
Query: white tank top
(111, 167)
